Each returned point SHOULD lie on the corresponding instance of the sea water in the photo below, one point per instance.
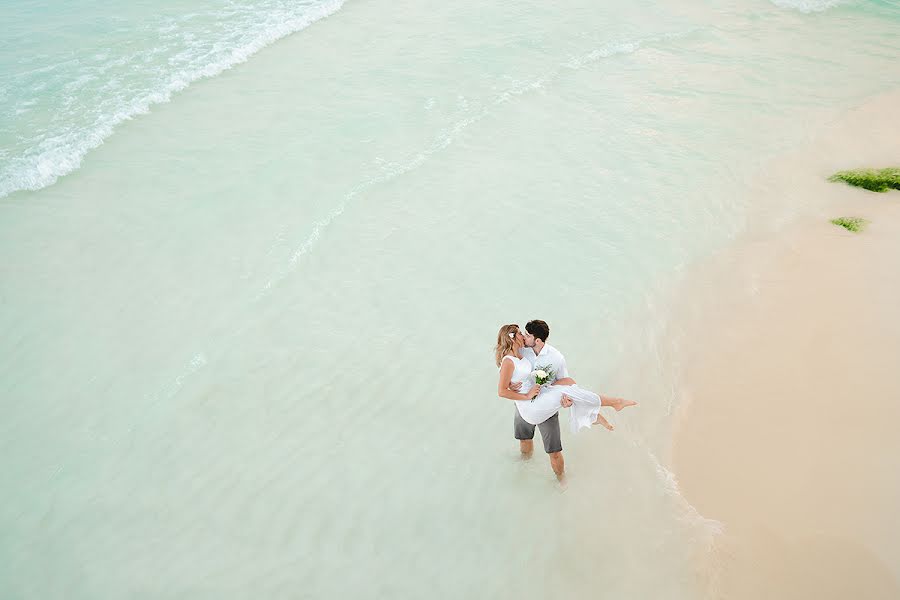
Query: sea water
(255, 255)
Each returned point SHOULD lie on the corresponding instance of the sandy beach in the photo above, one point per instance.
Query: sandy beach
(787, 435)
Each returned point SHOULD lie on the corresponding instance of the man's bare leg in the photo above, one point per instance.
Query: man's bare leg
(526, 447)
(616, 403)
(558, 465)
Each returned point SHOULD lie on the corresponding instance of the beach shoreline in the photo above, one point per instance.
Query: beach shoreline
(788, 388)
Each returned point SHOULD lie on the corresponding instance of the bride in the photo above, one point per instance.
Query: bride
(537, 403)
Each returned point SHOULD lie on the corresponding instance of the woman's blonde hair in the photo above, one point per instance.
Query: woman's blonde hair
(506, 340)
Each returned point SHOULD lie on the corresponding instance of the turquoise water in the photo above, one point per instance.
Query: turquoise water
(256, 257)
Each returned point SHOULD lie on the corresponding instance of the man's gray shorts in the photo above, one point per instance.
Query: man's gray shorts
(549, 432)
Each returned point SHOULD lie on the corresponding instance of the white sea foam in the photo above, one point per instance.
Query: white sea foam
(621, 47)
(391, 170)
(808, 6)
(709, 528)
(171, 388)
(180, 59)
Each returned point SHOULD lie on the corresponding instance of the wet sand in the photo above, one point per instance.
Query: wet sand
(788, 430)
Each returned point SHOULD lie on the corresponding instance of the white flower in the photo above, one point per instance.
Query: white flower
(540, 373)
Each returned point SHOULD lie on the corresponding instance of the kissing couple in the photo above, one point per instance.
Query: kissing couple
(534, 375)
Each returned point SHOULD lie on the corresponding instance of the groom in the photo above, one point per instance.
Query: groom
(542, 355)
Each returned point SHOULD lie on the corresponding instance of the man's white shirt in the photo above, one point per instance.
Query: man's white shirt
(547, 357)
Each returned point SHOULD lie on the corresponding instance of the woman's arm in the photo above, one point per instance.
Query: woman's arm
(506, 371)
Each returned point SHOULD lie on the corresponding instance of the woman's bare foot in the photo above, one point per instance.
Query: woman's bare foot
(565, 401)
(619, 403)
(601, 420)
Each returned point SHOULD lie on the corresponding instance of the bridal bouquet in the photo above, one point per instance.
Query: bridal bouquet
(542, 375)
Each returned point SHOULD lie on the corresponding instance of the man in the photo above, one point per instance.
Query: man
(541, 354)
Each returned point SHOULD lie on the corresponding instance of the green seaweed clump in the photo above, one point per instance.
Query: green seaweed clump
(876, 180)
(854, 224)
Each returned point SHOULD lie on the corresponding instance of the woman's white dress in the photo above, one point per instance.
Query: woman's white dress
(582, 413)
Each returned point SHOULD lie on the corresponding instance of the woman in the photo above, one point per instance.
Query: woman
(536, 403)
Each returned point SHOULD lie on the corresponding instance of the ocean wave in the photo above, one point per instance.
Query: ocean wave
(444, 138)
(808, 6)
(102, 92)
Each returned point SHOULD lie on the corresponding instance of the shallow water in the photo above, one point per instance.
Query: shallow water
(247, 338)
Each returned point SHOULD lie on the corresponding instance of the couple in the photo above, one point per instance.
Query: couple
(533, 374)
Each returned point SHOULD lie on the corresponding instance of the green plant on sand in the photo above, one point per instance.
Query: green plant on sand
(854, 224)
(876, 180)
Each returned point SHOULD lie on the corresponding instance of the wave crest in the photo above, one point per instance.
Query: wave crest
(99, 96)
(807, 6)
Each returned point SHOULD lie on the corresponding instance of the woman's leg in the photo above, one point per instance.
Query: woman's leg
(544, 406)
(616, 403)
(601, 420)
